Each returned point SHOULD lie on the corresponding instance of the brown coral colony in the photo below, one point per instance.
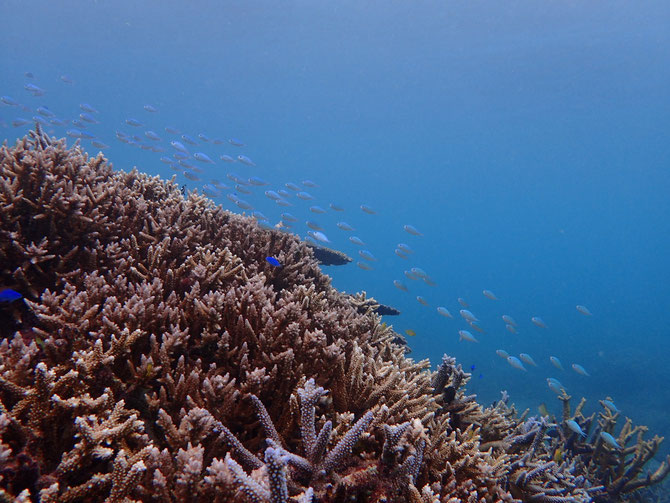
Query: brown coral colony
(156, 356)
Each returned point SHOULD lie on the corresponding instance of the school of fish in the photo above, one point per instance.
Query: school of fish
(202, 161)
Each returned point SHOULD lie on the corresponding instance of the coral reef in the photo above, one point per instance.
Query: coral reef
(157, 356)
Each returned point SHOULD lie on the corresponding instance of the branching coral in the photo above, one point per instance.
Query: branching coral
(158, 357)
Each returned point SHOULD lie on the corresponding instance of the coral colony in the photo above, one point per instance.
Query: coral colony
(149, 351)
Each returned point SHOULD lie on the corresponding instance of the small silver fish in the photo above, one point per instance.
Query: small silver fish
(210, 191)
(401, 254)
(400, 285)
(464, 335)
(556, 362)
(34, 90)
(418, 272)
(364, 265)
(489, 294)
(245, 160)
(219, 185)
(272, 195)
(19, 121)
(191, 176)
(305, 196)
(45, 112)
(367, 255)
(319, 236)
(244, 205)
(516, 363)
(258, 182)
(538, 322)
(85, 107)
(584, 310)
(87, 117)
(317, 209)
(8, 100)
(574, 426)
(580, 370)
(202, 157)
(367, 209)
(411, 276)
(421, 300)
(467, 315)
(610, 405)
(236, 178)
(152, 136)
(502, 354)
(443, 311)
(555, 385)
(344, 226)
(356, 240)
(178, 146)
(410, 229)
(313, 225)
(526, 358)
(609, 440)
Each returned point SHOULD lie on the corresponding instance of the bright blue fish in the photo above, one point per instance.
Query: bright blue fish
(9, 295)
(273, 261)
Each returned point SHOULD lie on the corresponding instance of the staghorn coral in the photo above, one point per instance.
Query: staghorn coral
(158, 357)
(620, 471)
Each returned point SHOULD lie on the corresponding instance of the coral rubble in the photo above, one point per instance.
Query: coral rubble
(158, 357)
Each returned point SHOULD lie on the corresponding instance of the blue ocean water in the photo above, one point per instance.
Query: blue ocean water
(527, 141)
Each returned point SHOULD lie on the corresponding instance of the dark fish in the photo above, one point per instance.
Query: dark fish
(273, 261)
(8, 295)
